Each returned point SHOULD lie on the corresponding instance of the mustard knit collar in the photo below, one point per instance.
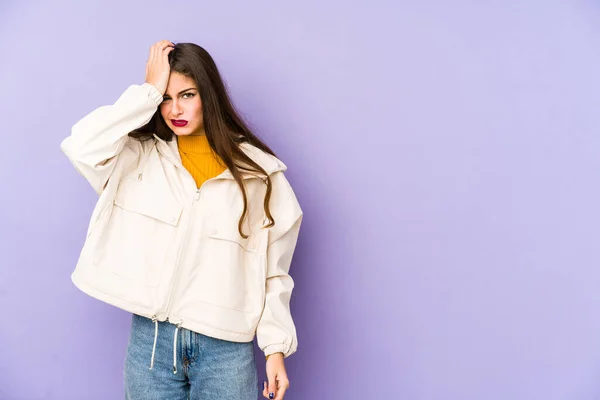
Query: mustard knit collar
(196, 144)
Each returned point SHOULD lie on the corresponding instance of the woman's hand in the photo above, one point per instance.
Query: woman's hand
(278, 380)
(157, 66)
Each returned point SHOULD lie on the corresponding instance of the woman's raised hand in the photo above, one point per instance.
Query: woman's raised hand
(157, 66)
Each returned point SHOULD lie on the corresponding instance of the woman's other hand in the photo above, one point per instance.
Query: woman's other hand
(278, 381)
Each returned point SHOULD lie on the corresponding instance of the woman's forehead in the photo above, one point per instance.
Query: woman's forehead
(178, 82)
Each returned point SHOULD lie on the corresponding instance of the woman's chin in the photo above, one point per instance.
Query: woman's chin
(186, 131)
(181, 131)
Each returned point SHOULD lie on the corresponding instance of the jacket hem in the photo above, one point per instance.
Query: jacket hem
(218, 333)
(113, 301)
(143, 311)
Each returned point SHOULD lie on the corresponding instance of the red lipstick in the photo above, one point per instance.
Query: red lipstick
(179, 122)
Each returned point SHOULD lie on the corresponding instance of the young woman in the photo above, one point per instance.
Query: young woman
(193, 233)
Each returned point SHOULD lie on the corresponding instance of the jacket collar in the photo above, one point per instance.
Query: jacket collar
(269, 163)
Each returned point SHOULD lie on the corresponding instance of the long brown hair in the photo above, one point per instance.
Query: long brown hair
(224, 127)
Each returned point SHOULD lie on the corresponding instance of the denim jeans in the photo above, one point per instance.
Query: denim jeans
(206, 367)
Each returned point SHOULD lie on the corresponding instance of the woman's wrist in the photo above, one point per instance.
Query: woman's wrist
(267, 357)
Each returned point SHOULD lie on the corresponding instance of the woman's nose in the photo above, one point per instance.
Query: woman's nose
(175, 109)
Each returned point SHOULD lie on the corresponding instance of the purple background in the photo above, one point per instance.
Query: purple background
(446, 157)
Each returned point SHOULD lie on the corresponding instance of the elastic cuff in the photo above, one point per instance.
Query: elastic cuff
(284, 348)
(153, 93)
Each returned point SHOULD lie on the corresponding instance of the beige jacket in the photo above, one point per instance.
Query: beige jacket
(159, 247)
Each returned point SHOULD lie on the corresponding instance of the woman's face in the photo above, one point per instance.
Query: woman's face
(181, 107)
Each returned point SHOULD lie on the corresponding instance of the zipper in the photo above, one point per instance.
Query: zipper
(196, 199)
(183, 246)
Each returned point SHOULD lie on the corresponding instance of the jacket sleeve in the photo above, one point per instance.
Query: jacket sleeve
(276, 332)
(98, 138)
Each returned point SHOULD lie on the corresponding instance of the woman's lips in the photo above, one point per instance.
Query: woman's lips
(179, 122)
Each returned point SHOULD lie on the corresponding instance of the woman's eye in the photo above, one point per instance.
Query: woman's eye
(189, 95)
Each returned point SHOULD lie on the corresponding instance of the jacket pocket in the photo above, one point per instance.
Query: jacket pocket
(136, 239)
(230, 272)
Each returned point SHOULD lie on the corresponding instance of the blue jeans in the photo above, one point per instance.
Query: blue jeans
(206, 368)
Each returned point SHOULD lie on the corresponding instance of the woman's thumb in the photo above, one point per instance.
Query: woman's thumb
(272, 386)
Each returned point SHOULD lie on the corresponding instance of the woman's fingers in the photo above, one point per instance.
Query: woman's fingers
(282, 385)
(157, 66)
(156, 49)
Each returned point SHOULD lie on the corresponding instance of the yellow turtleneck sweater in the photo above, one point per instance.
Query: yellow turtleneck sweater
(198, 158)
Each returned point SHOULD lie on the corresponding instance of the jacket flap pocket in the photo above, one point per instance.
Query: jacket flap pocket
(162, 207)
(226, 228)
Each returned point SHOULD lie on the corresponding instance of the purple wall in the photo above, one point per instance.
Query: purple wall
(446, 157)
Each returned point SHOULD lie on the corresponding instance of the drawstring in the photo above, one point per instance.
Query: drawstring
(155, 320)
(175, 349)
(155, 337)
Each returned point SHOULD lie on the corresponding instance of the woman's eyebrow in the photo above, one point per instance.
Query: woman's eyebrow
(192, 88)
